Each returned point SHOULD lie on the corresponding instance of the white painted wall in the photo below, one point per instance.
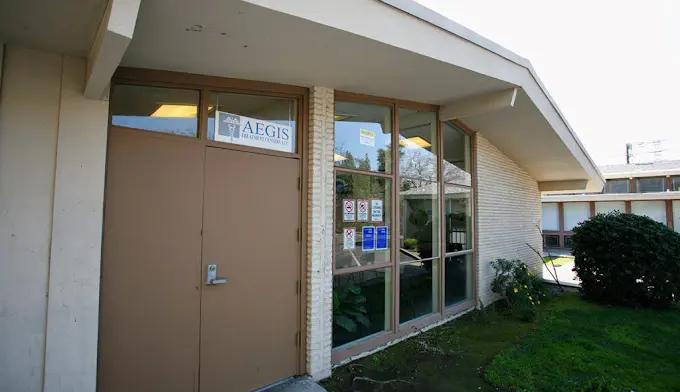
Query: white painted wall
(575, 213)
(653, 209)
(551, 216)
(52, 161)
(509, 211)
(73, 306)
(29, 112)
(603, 207)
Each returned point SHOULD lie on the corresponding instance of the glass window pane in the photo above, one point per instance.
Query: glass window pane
(457, 166)
(617, 186)
(604, 207)
(646, 185)
(418, 146)
(567, 241)
(157, 109)
(575, 213)
(675, 183)
(551, 219)
(361, 305)
(552, 241)
(458, 279)
(653, 209)
(418, 289)
(458, 209)
(363, 136)
(419, 226)
(358, 188)
(253, 120)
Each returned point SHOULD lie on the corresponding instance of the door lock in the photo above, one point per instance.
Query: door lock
(212, 276)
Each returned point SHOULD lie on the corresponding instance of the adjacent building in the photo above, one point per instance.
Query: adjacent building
(219, 195)
(651, 189)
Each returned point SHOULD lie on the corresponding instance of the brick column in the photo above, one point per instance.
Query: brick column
(320, 233)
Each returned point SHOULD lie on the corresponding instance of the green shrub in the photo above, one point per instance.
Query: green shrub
(625, 258)
(411, 243)
(521, 289)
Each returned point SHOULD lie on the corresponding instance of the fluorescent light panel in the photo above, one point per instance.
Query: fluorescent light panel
(415, 142)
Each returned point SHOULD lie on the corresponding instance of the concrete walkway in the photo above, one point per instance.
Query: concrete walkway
(297, 384)
(564, 273)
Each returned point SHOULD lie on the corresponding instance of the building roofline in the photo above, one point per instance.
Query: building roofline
(436, 19)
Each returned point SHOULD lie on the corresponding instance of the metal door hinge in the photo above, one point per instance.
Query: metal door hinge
(298, 338)
(299, 183)
(298, 286)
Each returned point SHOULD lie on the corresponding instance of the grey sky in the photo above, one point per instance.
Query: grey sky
(613, 66)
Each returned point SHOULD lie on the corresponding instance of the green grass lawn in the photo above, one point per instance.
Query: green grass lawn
(571, 344)
(558, 260)
(579, 342)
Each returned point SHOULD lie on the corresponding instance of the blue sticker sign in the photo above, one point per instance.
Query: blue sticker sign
(368, 238)
(381, 237)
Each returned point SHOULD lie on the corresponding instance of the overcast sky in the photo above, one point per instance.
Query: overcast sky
(612, 66)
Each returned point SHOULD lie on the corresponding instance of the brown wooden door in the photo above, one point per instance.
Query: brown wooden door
(151, 270)
(251, 214)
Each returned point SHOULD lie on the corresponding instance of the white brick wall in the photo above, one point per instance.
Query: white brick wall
(320, 233)
(509, 208)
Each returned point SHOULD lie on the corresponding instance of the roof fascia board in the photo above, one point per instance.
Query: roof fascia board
(612, 197)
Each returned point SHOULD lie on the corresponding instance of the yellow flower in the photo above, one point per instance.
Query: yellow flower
(516, 289)
(525, 286)
(531, 299)
(539, 302)
(532, 302)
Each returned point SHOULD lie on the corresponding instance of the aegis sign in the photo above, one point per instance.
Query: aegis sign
(246, 131)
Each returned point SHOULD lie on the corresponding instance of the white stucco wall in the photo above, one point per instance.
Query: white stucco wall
(29, 115)
(52, 155)
(508, 210)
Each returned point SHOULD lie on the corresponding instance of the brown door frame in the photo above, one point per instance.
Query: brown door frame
(206, 84)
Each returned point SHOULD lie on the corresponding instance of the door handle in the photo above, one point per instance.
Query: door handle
(212, 276)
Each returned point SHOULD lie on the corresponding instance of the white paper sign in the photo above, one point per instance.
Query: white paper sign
(349, 234)
(348, 210)
(376, 210)
(362, 210)
(366, 137)
(246, 131)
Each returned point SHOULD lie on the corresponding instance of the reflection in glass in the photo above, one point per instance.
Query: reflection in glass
(419, 226)
(253, 120)
(646, 185)
(617, 186)
(458, 279)
(363, 136)
(418, 146)
(157, 109)
(418, 289)
(457, 207)
(360, 187)
(457, 166)
(361, 305)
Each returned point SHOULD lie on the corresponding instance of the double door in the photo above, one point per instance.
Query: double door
(201, 261)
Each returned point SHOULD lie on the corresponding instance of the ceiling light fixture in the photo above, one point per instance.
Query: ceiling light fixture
(415, 142)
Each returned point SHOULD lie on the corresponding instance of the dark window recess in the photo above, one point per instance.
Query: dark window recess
(552, 241)
(675, 183)
(617, 186)
(567, 242)
(645, 185)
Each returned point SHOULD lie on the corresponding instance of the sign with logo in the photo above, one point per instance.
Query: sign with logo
(349, 234)
(348, 210)
(381, 237)
(367, 238)
(246, 131)
(362, 210)
(376, 210)
(366, 137)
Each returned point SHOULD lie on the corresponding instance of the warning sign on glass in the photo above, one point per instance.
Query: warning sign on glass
(362, 210)
(376, 210)
(348, 210)
(349, 235)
